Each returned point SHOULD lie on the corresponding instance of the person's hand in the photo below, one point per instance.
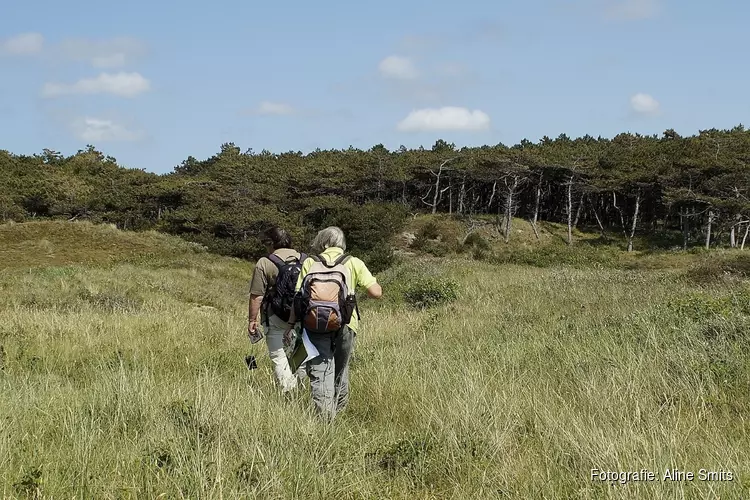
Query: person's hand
(287, 339)
(251, 327)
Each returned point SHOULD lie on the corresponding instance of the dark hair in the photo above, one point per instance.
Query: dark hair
(278, 238)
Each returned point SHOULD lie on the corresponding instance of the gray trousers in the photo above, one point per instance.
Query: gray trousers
(329, 372)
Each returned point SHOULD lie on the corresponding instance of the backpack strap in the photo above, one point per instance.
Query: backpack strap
(341, 260)
(266, 304)
(276, 260)
(281, 263)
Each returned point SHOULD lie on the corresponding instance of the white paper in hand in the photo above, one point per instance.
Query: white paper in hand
(312, 352)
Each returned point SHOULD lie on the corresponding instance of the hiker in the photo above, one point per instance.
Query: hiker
(327, 309)
(272, 294)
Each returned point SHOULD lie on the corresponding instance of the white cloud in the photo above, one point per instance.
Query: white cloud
(398, 67)
(104, 54)
(119, 84)
(93, 130)
(644, 104)
(109, 61)
(446, 118)
(22, 45)
(274, 108)
(633, 10)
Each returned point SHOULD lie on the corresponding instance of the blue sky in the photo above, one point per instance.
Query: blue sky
(152, 83)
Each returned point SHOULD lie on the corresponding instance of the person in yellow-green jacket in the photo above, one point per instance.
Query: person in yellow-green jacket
(326, 307)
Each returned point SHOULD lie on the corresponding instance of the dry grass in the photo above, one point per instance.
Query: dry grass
(127, 380)
(53, 243)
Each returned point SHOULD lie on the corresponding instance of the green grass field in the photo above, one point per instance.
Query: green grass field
(122, 375)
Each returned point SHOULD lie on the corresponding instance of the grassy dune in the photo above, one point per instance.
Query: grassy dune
(122, 376)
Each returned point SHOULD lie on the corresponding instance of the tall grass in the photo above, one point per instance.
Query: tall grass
(127, 380)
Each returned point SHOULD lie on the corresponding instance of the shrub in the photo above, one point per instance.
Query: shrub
(431, 291)
(395, 281)
(415, 283)
(720, 267)
(721, 331)
(30, 484)
(482, 254)
(380, 259)
(111, 300)
(430, 231)
(405, 455)
(700, 306)
(439, 237)
(432, 247)
(476, 241)
(577, 256)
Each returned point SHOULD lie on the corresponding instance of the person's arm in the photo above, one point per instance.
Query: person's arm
(253, 311)
(366, 280)
(257, 291)
(375, 291)
(287, 338)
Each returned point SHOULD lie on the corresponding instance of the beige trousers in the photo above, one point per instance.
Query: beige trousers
(275, 341)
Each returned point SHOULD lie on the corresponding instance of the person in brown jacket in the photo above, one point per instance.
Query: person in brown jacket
(279, 245)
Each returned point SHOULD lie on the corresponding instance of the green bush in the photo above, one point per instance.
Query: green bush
(379, 259)
(417, 284)
(698, 306)
(580, 256)
(395, 281)
(405, 456)
(720, 267)
(476, 241)
(439, 237)
(430, 231)
(702, 306)
(432, 247)
(482, 254)
(419, 243)
(431, 291)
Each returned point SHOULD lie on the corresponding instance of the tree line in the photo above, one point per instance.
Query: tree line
(691, 190)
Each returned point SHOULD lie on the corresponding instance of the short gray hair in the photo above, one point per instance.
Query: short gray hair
(329, 237)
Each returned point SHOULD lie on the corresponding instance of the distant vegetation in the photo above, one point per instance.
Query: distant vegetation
(645, 191)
